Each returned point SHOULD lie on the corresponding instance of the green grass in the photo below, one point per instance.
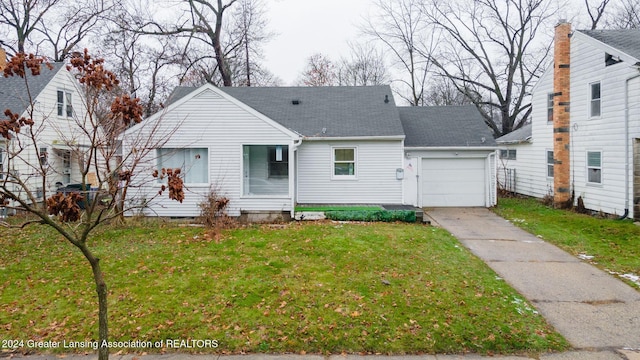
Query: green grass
(302, 288)
(338, 208)
(614, 244)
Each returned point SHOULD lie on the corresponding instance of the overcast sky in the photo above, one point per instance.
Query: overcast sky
(305, 27)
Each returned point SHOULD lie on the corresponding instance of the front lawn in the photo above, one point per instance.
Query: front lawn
(294, 288)
(612, 245)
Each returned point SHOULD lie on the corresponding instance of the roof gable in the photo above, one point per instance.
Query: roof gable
(13, 92)
(626, 41)
(445, 126)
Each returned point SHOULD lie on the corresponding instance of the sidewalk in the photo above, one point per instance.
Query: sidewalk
(590, 308)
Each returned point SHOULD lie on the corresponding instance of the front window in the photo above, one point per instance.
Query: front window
(550, 107)
(265, 170)
(344, 162)
(594, 167)
(193, 163)
(65, 107)
(550, 163)
(595, 99)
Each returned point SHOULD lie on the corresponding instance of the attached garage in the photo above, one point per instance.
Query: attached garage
(453, 182)
(449, 157)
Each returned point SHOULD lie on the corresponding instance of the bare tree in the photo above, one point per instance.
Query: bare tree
(596, 12)
(364, 67)
(52, 28)
(201, 24)
(441, 91)
(625, 15)
(404, 31)
(249, 27)
(320, 71)
(497, 52)
(88, 135)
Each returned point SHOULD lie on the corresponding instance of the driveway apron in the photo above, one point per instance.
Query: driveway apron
(590, 308)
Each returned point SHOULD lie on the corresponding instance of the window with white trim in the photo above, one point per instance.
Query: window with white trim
(65, 107)
(595, 102)
(550, 163)
(192, 162)
(594, 167)
(344, 162)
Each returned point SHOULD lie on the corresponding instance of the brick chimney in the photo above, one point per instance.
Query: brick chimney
(3, 59)
(561, 120)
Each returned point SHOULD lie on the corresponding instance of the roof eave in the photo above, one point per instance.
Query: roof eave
(470, 148)
(354, 138)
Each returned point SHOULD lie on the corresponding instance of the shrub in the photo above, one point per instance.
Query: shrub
(213, 211)
(376, 215)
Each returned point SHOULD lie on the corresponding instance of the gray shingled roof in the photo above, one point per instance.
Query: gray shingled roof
(627, 41)
(517, 136)
(341, 111)
(13, 92)
(444, 126)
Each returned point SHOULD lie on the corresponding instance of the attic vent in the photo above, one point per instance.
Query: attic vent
(296, 101)
(611, 59)
(386, 99)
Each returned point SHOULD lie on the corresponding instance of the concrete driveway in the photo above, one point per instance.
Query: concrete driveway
(590, 308)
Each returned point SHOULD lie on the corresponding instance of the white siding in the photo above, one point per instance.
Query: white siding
(605, 133)
(531, 159)
(51, 129)
(209, 120)
(376, 181)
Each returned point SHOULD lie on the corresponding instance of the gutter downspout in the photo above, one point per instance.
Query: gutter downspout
(294, 189)
(626, 144)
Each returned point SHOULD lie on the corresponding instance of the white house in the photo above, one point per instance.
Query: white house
(595, 155)
(268, 149)
(52, 100)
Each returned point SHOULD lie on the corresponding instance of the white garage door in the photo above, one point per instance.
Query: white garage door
(453, 182)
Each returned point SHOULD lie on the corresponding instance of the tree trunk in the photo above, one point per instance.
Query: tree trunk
(101, 289)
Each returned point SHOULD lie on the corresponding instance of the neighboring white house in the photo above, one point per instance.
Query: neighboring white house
(56, 103)
(268, 149)
(604, 127)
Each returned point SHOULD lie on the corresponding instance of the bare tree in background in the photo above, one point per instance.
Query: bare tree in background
(249, 27)
(364, 67)
(442, 92)
(200, 23)
(596, 12)
(404, 31)
(320, 71)
(497, 52)
(52, 28)
(625, 15)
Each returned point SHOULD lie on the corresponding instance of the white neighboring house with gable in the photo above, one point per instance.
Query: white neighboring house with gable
(604, 129)
(57, 101)
(269, 149)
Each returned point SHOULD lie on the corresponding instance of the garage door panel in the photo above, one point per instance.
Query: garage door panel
(453, 182)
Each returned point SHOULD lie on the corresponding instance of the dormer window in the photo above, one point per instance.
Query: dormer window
(65, 107)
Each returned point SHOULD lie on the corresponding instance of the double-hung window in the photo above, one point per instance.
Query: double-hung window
(192, 162)
(595, 103)
(344, 163)
(594, 167)
(550, 163)
(65, 107)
